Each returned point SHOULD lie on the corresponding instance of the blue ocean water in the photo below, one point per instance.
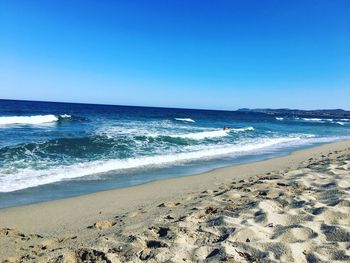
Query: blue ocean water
(56, 150)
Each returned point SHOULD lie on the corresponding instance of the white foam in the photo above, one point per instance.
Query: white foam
(334, 121)
(27, 119)
(37, 119)
(340, 123)
(312, 119)
(319, 120)
(201, 135)
(30, 178)
(66, 116)
(210, 134)
(316, 119)
(279, 118)
(184, 119)
(250, 128)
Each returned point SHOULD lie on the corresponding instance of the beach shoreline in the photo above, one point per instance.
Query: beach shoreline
(78, 216)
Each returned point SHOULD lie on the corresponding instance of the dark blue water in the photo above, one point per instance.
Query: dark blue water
(56, 150)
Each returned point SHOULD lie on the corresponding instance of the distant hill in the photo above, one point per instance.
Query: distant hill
(318, 113)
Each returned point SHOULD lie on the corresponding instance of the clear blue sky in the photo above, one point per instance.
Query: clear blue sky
(196, 54)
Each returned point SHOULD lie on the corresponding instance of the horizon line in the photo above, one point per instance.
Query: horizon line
(163, 107)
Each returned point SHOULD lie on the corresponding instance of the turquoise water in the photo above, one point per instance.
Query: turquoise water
(57, 150)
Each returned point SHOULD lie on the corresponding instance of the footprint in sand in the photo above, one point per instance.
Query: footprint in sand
(104, 224)
(293, 233)
(169, 204)
(335, 233)
(136, 213)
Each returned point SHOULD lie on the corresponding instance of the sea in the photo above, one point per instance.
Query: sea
(52, 150)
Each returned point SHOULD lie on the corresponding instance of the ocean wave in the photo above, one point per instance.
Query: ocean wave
(28, 177)
(201, 135)
(36, 119)
(250, 128)
(279, 118)
(326, 121)
(65, 116)
(210, 134)
(184, 119)
(341, 123)
(317, 119)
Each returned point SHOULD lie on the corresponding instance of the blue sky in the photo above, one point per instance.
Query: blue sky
(193, 54)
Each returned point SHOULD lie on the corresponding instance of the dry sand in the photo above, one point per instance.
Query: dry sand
(290, 209)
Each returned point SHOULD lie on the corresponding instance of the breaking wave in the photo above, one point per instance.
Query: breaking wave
(210, 134)
(184, 119)
(31, 120)
(326, 121)
(29, 177)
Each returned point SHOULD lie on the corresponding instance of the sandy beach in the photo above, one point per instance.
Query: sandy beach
(174, 131)
(290, 209)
